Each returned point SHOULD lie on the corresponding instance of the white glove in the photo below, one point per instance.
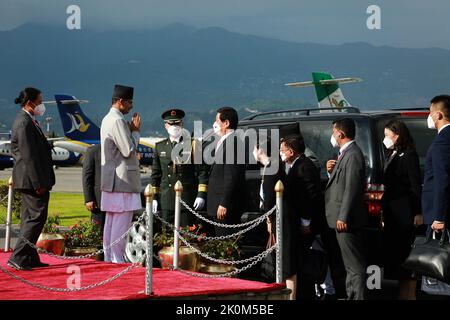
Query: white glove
(155, 206)
(199, 203)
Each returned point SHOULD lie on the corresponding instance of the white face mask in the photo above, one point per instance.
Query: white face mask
(430, 122)
(334, 142)
(39, 110)
(174, 131)
(282, 156)
(388, 143)
(216, 128)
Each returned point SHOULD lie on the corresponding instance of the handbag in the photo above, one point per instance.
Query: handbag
(435, 287)
(268, 266)
(432, 257)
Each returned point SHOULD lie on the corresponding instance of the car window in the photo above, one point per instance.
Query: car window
(317, 134)
(419, 131)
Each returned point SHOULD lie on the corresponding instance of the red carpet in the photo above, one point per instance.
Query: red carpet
(165, 283)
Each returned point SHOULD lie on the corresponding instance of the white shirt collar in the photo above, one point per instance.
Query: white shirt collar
(117, 111)
(444, 126)
(345, 146)
(293, 162)
(222, 139)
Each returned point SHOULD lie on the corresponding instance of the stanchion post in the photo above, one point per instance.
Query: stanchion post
(149, 258)
(178, 191)
(9, 214)
(279, 189)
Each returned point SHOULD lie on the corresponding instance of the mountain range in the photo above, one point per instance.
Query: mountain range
(201, 69)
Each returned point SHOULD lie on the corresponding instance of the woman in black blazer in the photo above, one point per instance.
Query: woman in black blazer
(401, 204)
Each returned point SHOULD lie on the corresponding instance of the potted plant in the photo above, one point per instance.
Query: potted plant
(227, 249)
(83, 238)
(50, 238)
(163, 243)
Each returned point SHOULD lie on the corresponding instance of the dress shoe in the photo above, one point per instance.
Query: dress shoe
(40, 265)
(16, 266)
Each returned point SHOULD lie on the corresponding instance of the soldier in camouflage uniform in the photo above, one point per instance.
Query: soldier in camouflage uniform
(167, 170)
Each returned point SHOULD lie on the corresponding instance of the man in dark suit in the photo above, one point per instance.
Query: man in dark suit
(227, 177)
(304, 202)
(345, 207)
(436, 187)
(33, 177)
(303, 206)
(92, 182)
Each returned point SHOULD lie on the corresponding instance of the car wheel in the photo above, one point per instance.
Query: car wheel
(136, 247)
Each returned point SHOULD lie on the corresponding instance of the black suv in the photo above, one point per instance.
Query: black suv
(316, 126)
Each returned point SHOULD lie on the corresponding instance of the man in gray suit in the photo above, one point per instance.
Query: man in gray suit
(345, 207)
(120, 175)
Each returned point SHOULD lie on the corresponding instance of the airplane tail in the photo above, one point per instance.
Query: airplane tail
(328, 93)
(76, 125)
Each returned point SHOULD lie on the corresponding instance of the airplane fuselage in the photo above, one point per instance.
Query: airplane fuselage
(60, 156)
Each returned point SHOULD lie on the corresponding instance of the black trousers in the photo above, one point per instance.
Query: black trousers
(305, 287)
(352, 250)
(99, 218)
(33, 215)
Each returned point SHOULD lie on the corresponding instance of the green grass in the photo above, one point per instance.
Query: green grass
(69, 206)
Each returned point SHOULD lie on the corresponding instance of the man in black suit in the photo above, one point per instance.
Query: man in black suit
(304, 203)
(92, 182)
(436, 187)
(33, 177)
(227, 176)
(303, 207)
(345, 207)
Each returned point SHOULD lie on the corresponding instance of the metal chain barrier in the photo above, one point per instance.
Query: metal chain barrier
(210, 276)
(4, 222)
(53, 289)
(223, 225)
(4, 199)
(230, 262)
(192, 235)
(112, 244)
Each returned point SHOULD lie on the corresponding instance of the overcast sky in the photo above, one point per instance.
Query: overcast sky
(405, 23)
